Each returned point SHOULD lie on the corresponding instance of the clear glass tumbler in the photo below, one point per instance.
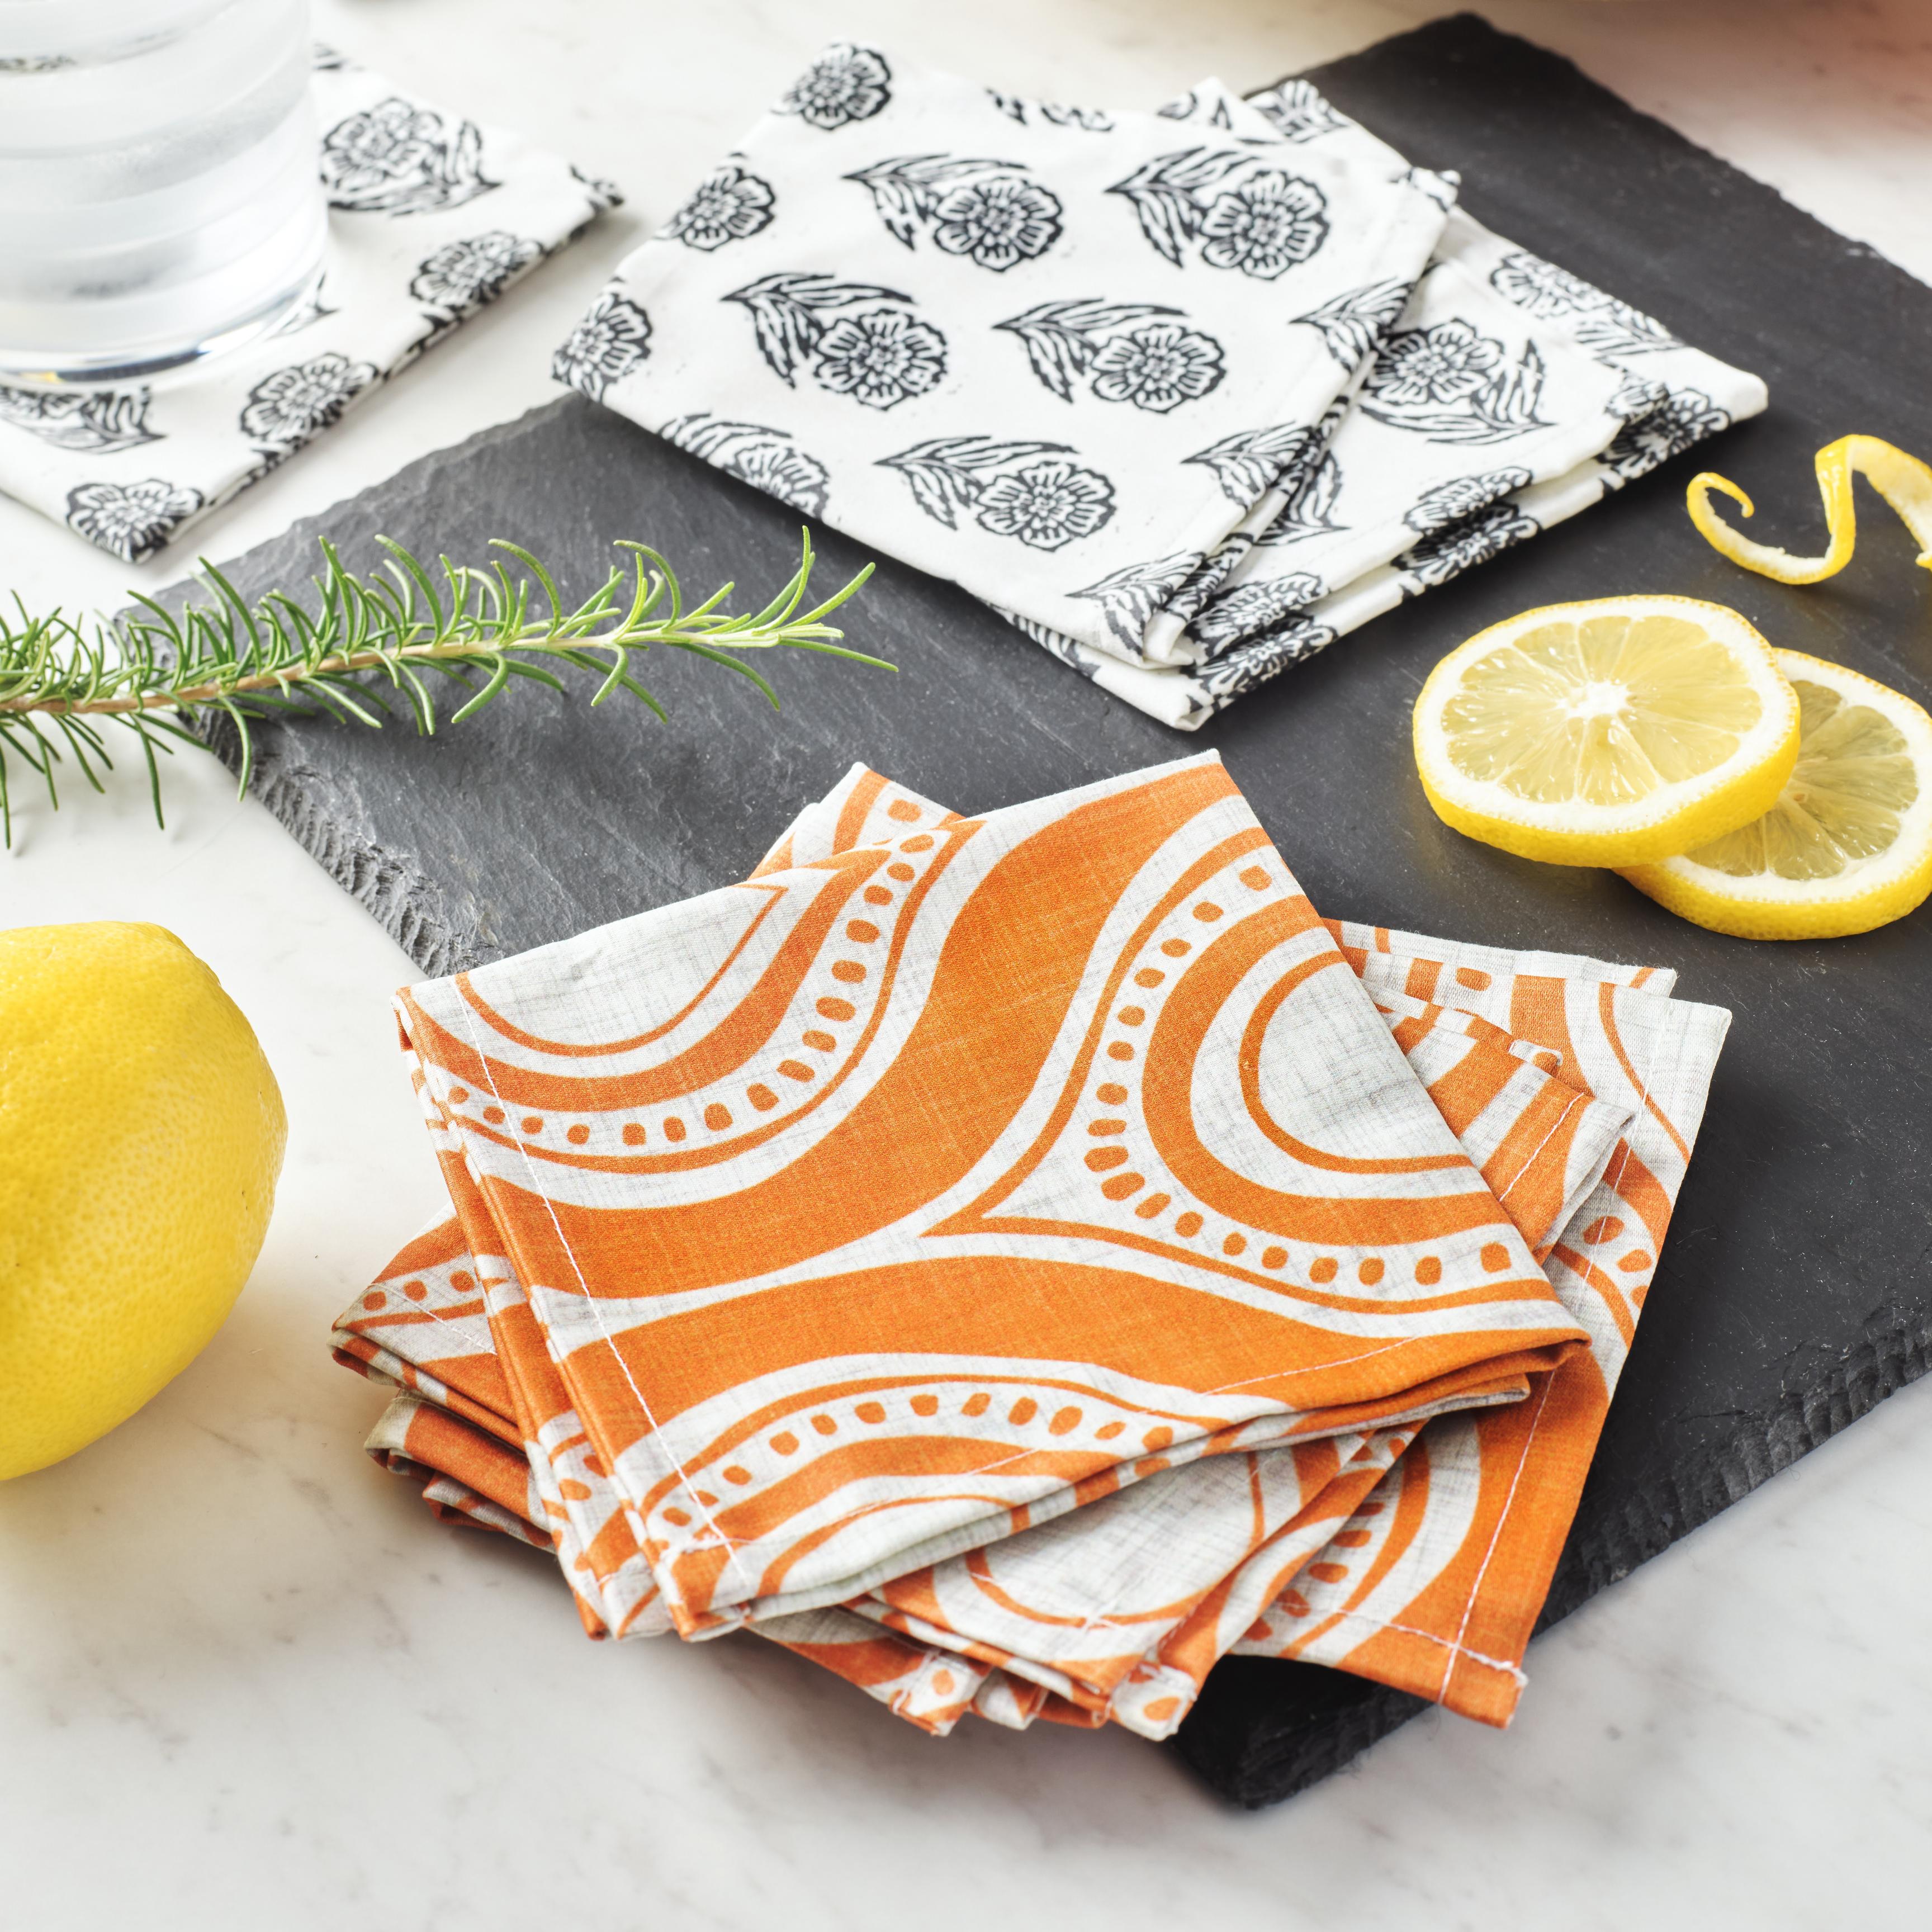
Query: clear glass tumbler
(159, 200)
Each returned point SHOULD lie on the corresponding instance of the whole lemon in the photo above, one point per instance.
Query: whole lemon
(141, 1133)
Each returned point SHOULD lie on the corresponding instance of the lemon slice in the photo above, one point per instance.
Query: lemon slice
(1610, 732)
(1848, 846)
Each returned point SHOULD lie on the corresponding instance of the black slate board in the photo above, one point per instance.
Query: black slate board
(1796, 1290)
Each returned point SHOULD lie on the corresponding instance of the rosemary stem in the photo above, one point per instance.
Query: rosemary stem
(247, 660)
(532, 638)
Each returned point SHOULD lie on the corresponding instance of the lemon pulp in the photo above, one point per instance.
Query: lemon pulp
(1605, 711)
(1848, 845)
(1606, 733)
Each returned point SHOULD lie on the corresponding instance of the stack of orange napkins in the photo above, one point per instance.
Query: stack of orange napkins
(1015, 1261)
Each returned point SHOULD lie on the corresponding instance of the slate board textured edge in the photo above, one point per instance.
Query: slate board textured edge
(328, 821)
(1265, 1729)
(1258, 1764)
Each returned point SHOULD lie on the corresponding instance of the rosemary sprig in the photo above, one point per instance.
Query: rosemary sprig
(367, 640)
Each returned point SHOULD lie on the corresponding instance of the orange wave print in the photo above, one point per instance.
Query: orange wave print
(988, 1386)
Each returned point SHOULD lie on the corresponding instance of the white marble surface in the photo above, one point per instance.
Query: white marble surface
(244, 1682)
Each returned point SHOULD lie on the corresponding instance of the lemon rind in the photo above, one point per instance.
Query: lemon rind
(1901, 479)
(1733, 917)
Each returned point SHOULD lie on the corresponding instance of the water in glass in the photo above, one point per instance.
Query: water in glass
(158, 195)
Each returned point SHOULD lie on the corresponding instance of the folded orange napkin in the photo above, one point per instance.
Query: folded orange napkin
(1016, 1261)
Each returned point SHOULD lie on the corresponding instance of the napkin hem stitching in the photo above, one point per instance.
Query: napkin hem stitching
(1456, 1649)
(563, 1240)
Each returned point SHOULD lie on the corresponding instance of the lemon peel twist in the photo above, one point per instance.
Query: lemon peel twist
(1903, 480)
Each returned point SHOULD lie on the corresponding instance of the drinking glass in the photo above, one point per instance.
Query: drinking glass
(159, 200)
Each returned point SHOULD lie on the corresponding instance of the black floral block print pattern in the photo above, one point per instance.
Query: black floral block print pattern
(1449, 503)
(1603, 325)
(845, 84)
(1027, 491)
(1353, 325)
(1450, 550)
(880, 357)
(432, 216)
(1256, 659)
(1233, 209)
(1189, 395)
(1248, 462)
(399, 157)
(1051, 113)
(1681, 422)
(1297, 111)
(732, 205)
(974, 269)
(133, 520)
(766, 458)
(1252, 608)
(461, 276)
(91, 422)
(285, 409)
(988, 212)
(1309, 506)
(605, 346)
(600, 193)
(1129, 597)
(1452, 384)
(1142, 353)
(855, 339)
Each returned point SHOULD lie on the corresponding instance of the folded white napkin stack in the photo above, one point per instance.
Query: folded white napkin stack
(1186, 395)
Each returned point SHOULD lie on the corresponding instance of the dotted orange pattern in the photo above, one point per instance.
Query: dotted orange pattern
(1407, 1534)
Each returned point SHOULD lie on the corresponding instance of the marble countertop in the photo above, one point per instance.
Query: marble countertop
(245, 1682)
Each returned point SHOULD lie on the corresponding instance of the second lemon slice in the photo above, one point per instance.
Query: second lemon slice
(1847, 847)
(1610, 732)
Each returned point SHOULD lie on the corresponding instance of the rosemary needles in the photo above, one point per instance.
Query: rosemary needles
(367, 642)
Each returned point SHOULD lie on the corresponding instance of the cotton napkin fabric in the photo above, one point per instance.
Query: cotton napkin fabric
(1186, 395)
(432, 216)
(1016, 1261)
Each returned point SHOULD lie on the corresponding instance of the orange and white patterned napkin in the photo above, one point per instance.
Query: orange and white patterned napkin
(1015, 1261)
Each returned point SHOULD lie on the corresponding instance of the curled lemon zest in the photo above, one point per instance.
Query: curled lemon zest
(1903, 480)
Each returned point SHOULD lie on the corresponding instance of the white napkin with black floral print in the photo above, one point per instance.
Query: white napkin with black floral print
(431, 216)
(1186, 396)
(1009, 343)
(1423, 474)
